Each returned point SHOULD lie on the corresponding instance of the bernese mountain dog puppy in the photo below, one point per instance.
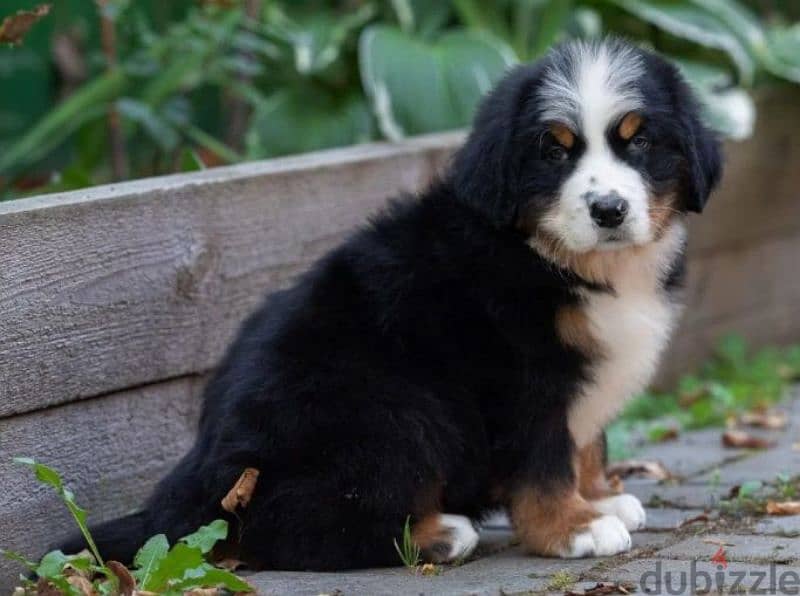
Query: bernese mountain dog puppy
(463, 351)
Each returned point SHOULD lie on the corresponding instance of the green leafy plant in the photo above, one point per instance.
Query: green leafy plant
(157, 567)
(408, 550)
(230, 81)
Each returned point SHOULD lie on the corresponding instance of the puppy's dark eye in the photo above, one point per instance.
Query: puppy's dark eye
(557, 153)
(640, 142)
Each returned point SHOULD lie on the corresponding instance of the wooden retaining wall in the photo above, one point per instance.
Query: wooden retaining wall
(115, 302)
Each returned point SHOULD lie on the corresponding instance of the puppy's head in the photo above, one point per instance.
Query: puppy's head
(597, 147)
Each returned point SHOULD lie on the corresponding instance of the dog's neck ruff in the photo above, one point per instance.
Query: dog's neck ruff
(630, 324)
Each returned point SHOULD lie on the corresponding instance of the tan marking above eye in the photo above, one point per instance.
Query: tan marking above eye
(563, 135)
(630, 125)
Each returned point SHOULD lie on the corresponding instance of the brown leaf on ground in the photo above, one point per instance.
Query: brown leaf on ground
(242, 491)
(229, 564)
(717, 542)
(639, 467)
(697, 519)
(83, 585)
(429, 569)
(127, 584)
(203, 592)
(768, 420)
(783, 507)
(616, 484)
(739, 439)
(14, 27)
(605, 588)
(45, 588)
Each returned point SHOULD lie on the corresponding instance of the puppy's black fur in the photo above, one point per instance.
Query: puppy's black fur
(417, 363)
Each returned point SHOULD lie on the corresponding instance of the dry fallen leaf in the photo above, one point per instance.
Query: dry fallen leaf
(14, 27)
(45, 588)
(717, 542)
(606, 588)
(242, 491)
(83, 585)
(616, 484)
(429, 569)
(127, 584)
(203, 592)
(637, 467)
(783, 507)
(229, 564)
(769, 420)
(742, 440)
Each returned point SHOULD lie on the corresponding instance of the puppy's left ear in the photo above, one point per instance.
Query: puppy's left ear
(703, 153)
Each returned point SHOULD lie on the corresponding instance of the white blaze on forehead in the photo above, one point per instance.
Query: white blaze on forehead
(587, 84)
(590, 86)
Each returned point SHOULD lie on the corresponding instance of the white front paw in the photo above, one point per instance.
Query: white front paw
(626, 507)
(604, 537)
(462, 535)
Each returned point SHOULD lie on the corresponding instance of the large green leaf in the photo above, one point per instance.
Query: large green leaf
(423, 17)
(306, 118)
(696, 24)
(207, 536)
(313, 37)
(149, 558)
(727, 109)
(416, 87)
(769, 48)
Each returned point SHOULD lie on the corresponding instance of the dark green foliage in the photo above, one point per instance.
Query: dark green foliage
(210, 80)
(156, 568)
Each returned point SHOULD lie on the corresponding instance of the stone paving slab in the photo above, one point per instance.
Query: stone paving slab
(781, 526)
(693, 453)
(738, 547)
(764, 465)
(681, 496)
(505, 573)
(667, 519)
(658, 576)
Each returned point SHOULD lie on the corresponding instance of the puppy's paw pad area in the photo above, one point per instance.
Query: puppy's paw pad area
(463, 536)
(445, 538)
(626, 507)
(605, 536)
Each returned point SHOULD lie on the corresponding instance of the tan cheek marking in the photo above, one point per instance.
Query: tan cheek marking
(592, 482)
(574, 330)
(663, 209)
(629, 125)
(563, 135)
(545, 521)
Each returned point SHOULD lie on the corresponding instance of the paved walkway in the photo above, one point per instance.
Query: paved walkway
(696, 535)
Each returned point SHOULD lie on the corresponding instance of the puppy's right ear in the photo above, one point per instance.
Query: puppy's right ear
(482, 172)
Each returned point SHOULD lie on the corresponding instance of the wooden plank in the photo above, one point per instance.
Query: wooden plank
(125, 285)
(760, 192)
(110, 452)
(750, 290)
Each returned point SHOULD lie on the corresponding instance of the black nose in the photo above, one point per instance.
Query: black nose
(609, 211)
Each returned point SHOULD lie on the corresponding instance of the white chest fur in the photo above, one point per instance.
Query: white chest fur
(631, 325)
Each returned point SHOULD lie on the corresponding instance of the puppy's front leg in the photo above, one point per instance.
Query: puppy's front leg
(559, 522)
(593, 485)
